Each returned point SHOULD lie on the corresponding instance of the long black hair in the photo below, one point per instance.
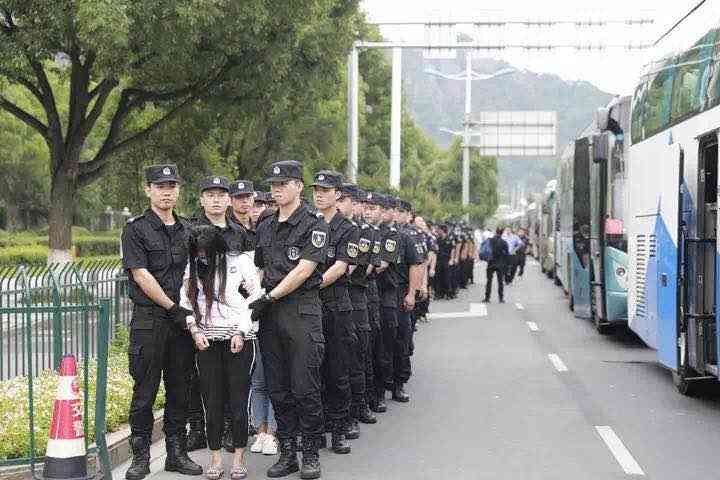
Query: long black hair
(209, 240)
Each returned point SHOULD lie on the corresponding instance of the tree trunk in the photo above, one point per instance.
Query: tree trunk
(62, 207)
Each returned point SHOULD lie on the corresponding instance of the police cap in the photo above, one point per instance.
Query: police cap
(328, 179)
(221, 183)
(262, 197)
(285, 170)
(241, 187)
(162, 173)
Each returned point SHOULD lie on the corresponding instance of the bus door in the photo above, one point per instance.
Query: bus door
(598, 196)
(697, 329)
(580, 265)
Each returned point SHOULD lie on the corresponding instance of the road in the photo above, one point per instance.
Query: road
(523, 390)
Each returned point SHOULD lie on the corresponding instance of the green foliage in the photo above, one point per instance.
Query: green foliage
(30, 248)
(24, 254)
(14, 438)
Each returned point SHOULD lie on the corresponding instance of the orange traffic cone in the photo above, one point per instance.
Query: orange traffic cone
(65, 456)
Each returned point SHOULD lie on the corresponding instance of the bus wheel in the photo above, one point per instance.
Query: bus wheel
(572, 303)
(690, 388)
(602, 327)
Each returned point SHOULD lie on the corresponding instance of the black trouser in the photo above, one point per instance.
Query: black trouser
(159, 349)
(360, 361)
(293, 348)
(401, 355)
(521, 264)
(499, 271)
(225, 379)
(442, 275)
(341, 340)
(513, 262)
(375, 383)
(389, 323)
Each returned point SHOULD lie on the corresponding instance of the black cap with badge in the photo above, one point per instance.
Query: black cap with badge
(348, 190)
(162, 173)
(328, 179)
(221, 183)
(241, 187)
(285, 170)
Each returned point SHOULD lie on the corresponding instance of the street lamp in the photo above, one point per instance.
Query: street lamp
(468, 76)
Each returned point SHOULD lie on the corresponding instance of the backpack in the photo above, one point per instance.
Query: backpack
(486, 250)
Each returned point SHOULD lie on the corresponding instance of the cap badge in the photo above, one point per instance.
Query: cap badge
(166, 171)
(321, 178)
(276, 170)
(241, 186)
(216, 181)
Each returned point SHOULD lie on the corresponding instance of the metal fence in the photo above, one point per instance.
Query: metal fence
(55, 328)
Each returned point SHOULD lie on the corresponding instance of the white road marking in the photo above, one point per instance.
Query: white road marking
(434, 316)
(557, 362)
(519, 306)
(532, 326)
(479, 308)
(619, 451)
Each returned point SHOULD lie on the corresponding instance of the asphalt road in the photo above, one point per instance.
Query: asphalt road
(496, 397)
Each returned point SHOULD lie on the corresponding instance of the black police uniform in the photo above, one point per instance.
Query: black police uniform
(374, 382)
(387, 283)
(291, 336)
(160, 347)
(442, 270)
(243, 187)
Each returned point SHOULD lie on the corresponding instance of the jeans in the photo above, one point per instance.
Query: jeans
(260, 405)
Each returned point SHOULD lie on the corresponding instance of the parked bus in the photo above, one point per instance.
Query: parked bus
(546, 233)
(673, 187)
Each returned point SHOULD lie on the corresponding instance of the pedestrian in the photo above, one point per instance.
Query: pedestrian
(522, 251)
(218, 287)
(496, 265)
(242, 203)
(514, 243)
(155, 253)
(340, 336)
(291, 242)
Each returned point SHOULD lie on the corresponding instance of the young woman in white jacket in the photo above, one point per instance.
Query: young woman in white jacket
(218, 287)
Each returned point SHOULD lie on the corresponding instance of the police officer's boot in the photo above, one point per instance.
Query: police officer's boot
(399, 394)
(227, 438)
(196, 439)
(338, 443)
(288, 461)
(177, 459)
(310, 460)
(380, 405)
(140, 466)
(353, 429)
(366, 416)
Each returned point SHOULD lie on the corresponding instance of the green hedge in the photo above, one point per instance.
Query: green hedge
(14, 438)
(26, 254)
(96, 246)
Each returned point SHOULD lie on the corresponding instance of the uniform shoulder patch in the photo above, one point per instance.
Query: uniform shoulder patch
(133, 219)
(352, 250)
(393, 229)
(318, 238)
(390, 245)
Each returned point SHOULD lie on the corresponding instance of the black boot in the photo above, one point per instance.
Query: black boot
(177, 459)
(196, 439)
(380, 406)
(140, 466)
(310, 460)
(339, 445)
(227, 438)
(399, 394)
(353, 430)
(366, 416)
(288, 462)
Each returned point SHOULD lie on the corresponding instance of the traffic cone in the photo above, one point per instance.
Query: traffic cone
(65, 455)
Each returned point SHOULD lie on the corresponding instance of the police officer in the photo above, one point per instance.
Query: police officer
(445, 248)
(351, 206)
(340, 335)
(242, 202)
(155, 253)
(260, 208)
(290, 244)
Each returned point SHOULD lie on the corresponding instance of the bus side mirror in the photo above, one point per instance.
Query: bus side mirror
(602, 117)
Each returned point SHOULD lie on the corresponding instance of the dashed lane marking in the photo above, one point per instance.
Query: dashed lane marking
(619, 451)
(557, 362)
(519, 306)
(479, 308)
(435, 316)
(532, 326)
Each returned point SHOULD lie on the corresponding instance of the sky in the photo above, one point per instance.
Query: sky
(616, 70)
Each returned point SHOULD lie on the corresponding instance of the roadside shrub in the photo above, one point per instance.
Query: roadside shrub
(23, 254)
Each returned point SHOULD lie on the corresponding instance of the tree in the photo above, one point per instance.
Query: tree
(123, 58)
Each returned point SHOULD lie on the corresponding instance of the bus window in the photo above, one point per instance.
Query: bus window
(690, 76)
(657, 105)
(638, 111)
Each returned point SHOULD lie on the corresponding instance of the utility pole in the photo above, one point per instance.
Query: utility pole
(396, 118)
(353, 118)
(466, 136)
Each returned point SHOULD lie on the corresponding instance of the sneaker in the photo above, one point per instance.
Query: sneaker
(259, 444)
(270, 447)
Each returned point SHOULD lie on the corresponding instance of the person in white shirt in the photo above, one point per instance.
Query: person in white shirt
(218, 287)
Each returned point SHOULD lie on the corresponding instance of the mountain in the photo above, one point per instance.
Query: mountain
(437, 103)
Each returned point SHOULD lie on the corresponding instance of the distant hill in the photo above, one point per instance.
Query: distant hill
(436, 103)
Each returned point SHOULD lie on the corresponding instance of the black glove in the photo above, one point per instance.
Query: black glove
(259, 306)
(178, 315)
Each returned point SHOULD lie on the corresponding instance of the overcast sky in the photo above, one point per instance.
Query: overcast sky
(616, 70)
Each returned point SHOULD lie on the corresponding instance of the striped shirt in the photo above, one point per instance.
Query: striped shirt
(232, 316)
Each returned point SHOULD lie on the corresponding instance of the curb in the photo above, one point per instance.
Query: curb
(118, 448)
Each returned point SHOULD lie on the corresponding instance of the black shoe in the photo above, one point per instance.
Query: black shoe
(486, 300)
(366, 416)
(140, 466)
(379, 406)
(227, 438)
(323, 441)
(353, 430)
(399, 394)
(502, 301)
(196, 439)
(287, 464)
(310, 461)
(177, 459)
(338, 443)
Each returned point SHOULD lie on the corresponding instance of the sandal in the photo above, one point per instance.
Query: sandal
(214, 472)
(238, 472)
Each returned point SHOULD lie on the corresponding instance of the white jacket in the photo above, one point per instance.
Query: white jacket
(231, 317)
